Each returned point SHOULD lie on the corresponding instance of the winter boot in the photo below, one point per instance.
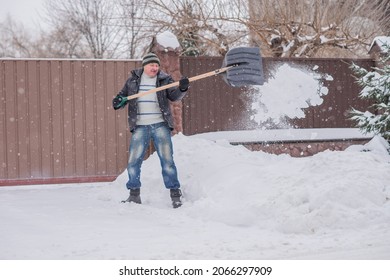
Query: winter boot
(134, 196)
(176, 198)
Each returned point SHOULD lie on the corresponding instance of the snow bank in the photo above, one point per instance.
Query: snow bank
(238, 204)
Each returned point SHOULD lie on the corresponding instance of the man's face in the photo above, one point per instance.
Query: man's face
(151, 69)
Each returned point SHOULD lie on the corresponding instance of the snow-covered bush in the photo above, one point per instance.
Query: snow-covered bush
(376, 87)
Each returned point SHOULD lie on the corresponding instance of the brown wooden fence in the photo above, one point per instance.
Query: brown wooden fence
(57, 123)
(211, 105)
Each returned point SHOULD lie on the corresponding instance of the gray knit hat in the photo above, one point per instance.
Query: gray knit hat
(150, 58)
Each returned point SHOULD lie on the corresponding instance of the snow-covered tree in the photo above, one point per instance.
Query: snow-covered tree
(376, 87)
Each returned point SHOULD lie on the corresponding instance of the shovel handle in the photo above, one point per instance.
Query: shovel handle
(175, 84)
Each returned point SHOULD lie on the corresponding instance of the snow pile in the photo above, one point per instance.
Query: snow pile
(238, 204)
(168, 40)
(287, 93)
(260, 189)
(381, 41)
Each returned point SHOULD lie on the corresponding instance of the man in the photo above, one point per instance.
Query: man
(150, 118)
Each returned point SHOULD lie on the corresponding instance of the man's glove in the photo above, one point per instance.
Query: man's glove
(184, 83)
(118, 102)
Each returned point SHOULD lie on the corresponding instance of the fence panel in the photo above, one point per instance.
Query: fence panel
(57, 122)
(211, 105)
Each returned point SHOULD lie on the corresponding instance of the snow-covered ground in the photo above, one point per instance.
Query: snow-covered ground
(238, 205)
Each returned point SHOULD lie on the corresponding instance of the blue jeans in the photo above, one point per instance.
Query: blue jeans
(160, 133)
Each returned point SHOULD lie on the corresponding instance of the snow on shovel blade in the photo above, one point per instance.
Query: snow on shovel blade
(248, 67)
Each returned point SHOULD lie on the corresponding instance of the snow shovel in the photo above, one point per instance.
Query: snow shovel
(241, 66)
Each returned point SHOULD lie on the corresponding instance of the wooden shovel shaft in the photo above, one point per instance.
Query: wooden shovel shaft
(175, 84)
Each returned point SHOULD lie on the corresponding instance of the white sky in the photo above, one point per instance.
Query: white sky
(25, 11)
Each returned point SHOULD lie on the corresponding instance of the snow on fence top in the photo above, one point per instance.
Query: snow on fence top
(283, 135)
(381, 42)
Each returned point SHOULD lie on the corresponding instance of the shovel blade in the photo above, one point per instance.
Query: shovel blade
(248, 67)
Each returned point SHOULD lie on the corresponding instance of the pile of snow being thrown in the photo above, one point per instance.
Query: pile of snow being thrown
(232, 185)
(287, 93)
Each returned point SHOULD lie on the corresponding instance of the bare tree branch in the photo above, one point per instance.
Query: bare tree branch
(93, 21)
(309, 28)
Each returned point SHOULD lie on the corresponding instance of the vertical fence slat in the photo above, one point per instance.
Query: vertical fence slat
(110, 120)
(3, 128)
(56, 121)
(90, 117)
(11, 119)
(67, 95)
(22, 120)
(101, 115)
(46, 131)
(78, 85)
(34, 120)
